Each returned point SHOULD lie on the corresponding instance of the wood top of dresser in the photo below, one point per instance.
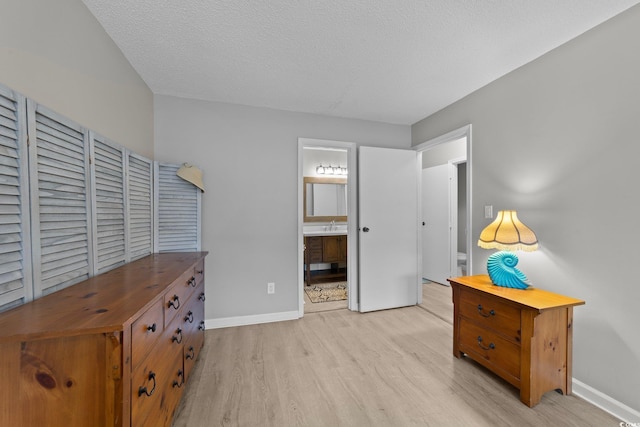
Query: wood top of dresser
(532, 297)
(101, 304)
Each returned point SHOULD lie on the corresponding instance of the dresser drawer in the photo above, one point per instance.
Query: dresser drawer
(145, 332)
(194, 324)
(199, 273)
(482, 343)
(490, 312)
(156, 387)
(193, 313)
(178, 295)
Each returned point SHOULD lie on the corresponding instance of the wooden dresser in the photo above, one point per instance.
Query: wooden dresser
(114, 350)
(523, 336)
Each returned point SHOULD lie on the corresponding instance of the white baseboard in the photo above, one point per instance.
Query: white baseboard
(226, 322)
(606, 403)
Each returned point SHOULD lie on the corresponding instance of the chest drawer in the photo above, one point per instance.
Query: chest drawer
(156, 387)
(194, 328)
(178, 295)
(490, 312)
(493, 348)
(199, 273)
(145, 332)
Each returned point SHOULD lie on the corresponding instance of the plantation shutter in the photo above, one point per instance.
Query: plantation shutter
(107, 188)
(177, 212)
(61, 224)
(15, 256)
(140, 205)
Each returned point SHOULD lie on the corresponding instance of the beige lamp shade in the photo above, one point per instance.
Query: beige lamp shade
(507, 233)
(191, 174)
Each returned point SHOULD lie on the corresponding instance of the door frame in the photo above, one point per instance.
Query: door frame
(462, 132)
(352, 219)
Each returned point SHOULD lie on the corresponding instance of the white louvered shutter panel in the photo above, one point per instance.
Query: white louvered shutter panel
(140, 206)
(61, 224)
(15, 257)
(107, 172)
(177, 213)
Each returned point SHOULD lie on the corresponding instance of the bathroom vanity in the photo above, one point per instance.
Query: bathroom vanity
(326, 249)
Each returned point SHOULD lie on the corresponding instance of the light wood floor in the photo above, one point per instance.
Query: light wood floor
(341, 368)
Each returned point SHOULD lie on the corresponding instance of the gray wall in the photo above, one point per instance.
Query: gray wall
(250, 161)
(442, 153)
(557, 140)
(56, 53)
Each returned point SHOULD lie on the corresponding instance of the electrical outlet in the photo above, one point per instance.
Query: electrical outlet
(271, 288)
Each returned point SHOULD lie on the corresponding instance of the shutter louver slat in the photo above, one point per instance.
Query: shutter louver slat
(140, 207)
(62, 194)
(109, 207)
(15, 284)
(177, 201)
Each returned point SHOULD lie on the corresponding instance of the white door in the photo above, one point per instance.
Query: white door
(436, 251)
(388, 223)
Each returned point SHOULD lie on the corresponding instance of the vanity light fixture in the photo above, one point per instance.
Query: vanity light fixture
(331, 170)
(508, 235)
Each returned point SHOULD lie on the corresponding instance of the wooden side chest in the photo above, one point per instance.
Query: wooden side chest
(114, 350)
(523, 336)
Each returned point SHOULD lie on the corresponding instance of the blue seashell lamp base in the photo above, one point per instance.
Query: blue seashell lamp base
(502, 271)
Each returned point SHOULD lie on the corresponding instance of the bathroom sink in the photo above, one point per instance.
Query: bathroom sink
(322, 230)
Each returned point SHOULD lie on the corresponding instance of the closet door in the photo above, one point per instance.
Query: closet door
(177, 211)
(60, 202)
(15, 257)
(140, 205)
(108, 208)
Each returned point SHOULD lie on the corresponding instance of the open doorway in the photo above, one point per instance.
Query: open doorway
(445, 206)
(326, 226)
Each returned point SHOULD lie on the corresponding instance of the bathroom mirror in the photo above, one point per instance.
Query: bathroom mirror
(325, 199)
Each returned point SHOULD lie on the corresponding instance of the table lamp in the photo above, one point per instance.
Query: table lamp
(508, 235)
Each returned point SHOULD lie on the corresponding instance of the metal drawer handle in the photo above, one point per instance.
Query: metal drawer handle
(201, 326)
(199, 271)
(201, 297)
(181, 376)
(491, 313)
(191, 353)
(178, 337)
(189, 317)
(151, 328)
(492, 346)
(175, 302)
(192, 282)
(143, 390)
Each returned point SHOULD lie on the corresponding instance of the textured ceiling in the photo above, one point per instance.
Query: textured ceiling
(394, 61)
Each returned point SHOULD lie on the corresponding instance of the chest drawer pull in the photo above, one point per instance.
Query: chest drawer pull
(201, 297)
(201, 326)
(191, 353)
(175, 302)
(189, 317)
(192, 282)
(143, 390)
(181, 376)
(151, 328)
(492, 346)
(491, 313)
(178, 336)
